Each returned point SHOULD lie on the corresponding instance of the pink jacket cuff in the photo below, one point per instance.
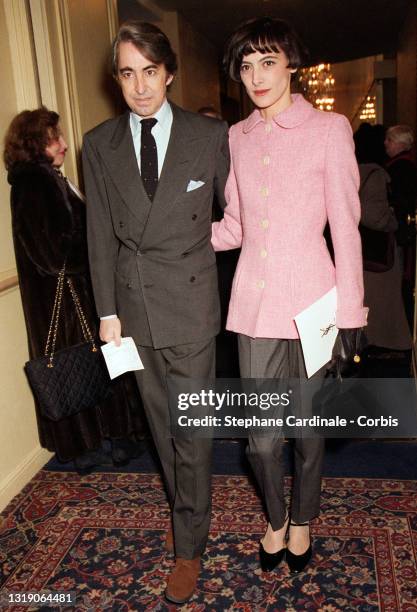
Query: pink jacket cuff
(349, 319)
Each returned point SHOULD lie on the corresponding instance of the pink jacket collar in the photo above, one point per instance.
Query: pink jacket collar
(291, 117)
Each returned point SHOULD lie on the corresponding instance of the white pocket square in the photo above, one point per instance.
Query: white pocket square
(194, 185)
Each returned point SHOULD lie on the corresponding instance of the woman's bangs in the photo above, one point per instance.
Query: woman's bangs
(262, 43)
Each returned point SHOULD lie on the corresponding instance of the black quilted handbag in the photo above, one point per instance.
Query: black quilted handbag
(74, 378)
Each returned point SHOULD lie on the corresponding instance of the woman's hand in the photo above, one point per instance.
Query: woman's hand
(346, 351)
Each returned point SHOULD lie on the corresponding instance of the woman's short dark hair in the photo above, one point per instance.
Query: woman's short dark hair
(28, 135)
(263, 34)
(149, 40)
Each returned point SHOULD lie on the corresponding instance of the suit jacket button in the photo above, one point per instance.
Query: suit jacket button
(138, 253)
(192, 279)
(129, 285)
(194, 217)
(121, 224)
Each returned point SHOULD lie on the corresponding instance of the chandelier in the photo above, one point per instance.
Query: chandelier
(317, 84)
(368, 110)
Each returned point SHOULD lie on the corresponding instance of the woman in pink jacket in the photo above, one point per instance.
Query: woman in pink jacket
(293, 169)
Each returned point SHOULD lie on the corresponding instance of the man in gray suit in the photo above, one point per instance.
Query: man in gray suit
(150, 177)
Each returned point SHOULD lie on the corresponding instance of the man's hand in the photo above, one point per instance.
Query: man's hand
(111, 329)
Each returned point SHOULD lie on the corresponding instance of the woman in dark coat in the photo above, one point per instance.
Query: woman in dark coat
(48, 223)
(402, 195)
(387, 324)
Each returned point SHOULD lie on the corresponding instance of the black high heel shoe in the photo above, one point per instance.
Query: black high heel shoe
(297, 563)
(269, 561)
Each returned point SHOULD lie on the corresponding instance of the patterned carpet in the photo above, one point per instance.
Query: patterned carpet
(102, 536)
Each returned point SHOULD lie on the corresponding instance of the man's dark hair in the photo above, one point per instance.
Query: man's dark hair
(264, 34)
(148, 40)
(28, 135)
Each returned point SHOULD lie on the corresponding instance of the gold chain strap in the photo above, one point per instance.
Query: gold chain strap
(88, 336)
(53, 326)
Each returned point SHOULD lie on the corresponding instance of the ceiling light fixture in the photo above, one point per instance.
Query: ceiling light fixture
(317, 83)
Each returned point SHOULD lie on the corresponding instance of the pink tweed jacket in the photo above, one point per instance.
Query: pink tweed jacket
(287, 179)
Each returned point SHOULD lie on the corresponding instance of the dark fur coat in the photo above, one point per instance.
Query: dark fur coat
(48, 221)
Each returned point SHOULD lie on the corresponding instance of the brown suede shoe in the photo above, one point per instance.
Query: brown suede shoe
(183, 580)
(169, 540)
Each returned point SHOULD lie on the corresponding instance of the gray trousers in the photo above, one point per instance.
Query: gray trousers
(263, 358)
(186, 463)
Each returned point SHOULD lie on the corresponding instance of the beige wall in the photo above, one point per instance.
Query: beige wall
(407, 71)
(8, 109)
(20, 453)
(79, 35)
(90, 37)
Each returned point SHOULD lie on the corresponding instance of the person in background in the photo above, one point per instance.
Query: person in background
(49, 228)
(403, 173)
(387, 323)
(292, 169)
(400, 166)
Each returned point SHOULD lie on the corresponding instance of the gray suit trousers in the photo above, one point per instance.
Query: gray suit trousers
(282, 359)
(186, 463)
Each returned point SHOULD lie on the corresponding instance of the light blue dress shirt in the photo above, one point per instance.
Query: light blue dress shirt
(161, 131)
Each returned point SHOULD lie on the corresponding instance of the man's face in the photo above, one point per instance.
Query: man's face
(392, 147)
(144, 84)
(267, 79)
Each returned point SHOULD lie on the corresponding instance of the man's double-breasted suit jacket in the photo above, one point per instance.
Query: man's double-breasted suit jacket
(152, 263)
